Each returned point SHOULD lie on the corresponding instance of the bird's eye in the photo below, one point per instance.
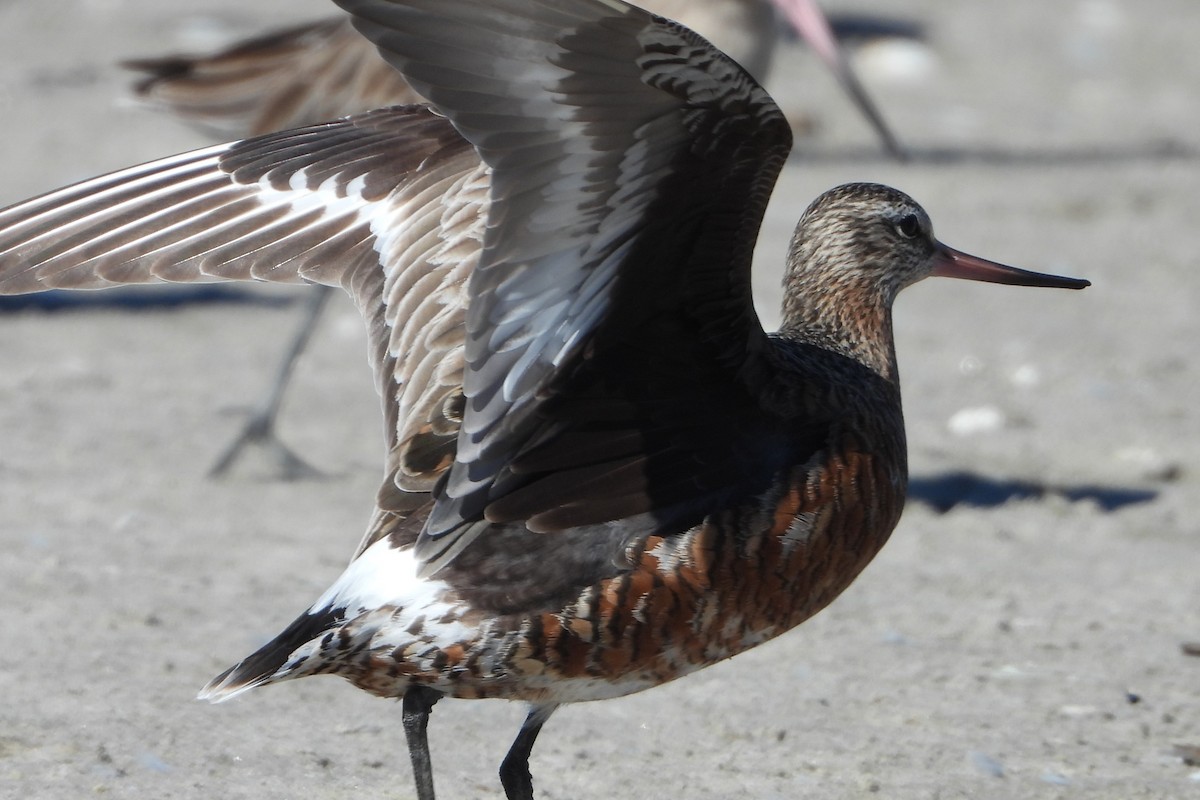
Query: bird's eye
(908, 226)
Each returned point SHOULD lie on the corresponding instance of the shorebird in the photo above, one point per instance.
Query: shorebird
(602, 474)
(324, 70)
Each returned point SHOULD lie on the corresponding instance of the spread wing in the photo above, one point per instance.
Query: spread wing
(299, 76)
(612, 357)
(612, 352)
(388, 205)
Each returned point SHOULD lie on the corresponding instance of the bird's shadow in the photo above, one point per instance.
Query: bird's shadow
(138, 298)
(953, 489)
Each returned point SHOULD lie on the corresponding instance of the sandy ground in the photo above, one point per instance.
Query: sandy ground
(1020, 637)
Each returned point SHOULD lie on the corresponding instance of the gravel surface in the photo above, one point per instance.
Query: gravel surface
(1023, 635)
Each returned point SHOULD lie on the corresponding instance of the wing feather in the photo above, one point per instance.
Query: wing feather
(388, 205)
(631, 163)
(559, 317)
(310, 73)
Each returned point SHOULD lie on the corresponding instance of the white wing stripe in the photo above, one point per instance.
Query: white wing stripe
(126, 196)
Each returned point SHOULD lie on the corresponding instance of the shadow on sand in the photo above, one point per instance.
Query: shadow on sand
(141, 298)
(951, 489)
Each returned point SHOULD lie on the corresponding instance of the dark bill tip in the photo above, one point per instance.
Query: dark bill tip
(951, 263)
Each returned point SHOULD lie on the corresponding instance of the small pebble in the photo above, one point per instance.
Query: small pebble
(986, 764)
(1055, 778)
(970, 365)
(1148, 464)
(1077, 711)
(1190, 754)
(972, 421)
(897, 61)
(153, 763)
(1010, 672)
(1026, 376)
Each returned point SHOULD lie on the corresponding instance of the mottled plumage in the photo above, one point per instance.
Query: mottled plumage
(602, 473)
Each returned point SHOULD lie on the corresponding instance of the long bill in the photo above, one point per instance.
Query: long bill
(951, 263)
(810, 22)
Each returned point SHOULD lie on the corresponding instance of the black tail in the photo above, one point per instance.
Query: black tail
(264, 665)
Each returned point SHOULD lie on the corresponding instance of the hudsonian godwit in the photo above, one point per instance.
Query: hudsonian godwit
(602, 473)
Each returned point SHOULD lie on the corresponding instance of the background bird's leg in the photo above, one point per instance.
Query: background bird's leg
(514, 770)
(418, 702)
(260, 427)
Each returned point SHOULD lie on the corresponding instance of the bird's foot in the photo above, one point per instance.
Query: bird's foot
(259, 432)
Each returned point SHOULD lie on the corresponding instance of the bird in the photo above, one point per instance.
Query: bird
(602, 474)
(324, 69)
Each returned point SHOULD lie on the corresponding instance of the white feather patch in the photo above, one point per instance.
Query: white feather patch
(386, 578)
(381, 576)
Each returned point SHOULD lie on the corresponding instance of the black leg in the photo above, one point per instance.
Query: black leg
(260, 427)
(418, 702)
(514, 770)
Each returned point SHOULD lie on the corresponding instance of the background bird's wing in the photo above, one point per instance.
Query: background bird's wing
(612, 348)
(284, 79)
(388, 205)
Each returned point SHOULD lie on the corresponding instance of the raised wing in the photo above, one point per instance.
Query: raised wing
(613, 354)
(288, 78)
(388, 205)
